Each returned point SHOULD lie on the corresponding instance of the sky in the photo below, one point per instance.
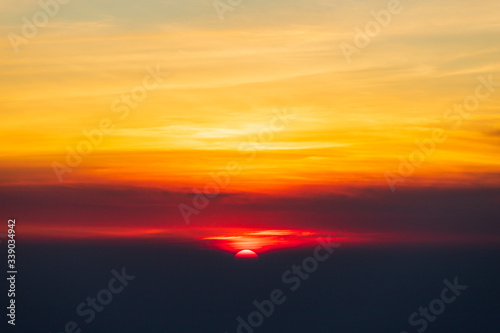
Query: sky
(263, 104)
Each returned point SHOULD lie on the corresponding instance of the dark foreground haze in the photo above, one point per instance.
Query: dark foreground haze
(186, 289)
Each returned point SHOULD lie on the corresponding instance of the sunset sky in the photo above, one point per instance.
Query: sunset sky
(323, 167)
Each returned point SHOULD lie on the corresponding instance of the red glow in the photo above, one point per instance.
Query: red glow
(237, 239)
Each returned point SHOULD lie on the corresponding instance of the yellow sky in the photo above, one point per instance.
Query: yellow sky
(227, 79)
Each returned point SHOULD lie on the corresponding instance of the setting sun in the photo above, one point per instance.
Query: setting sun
(246, 254)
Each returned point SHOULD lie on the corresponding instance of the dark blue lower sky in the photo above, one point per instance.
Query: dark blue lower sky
(186, 290)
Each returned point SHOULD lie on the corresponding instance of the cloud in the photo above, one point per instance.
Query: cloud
(435, 212)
